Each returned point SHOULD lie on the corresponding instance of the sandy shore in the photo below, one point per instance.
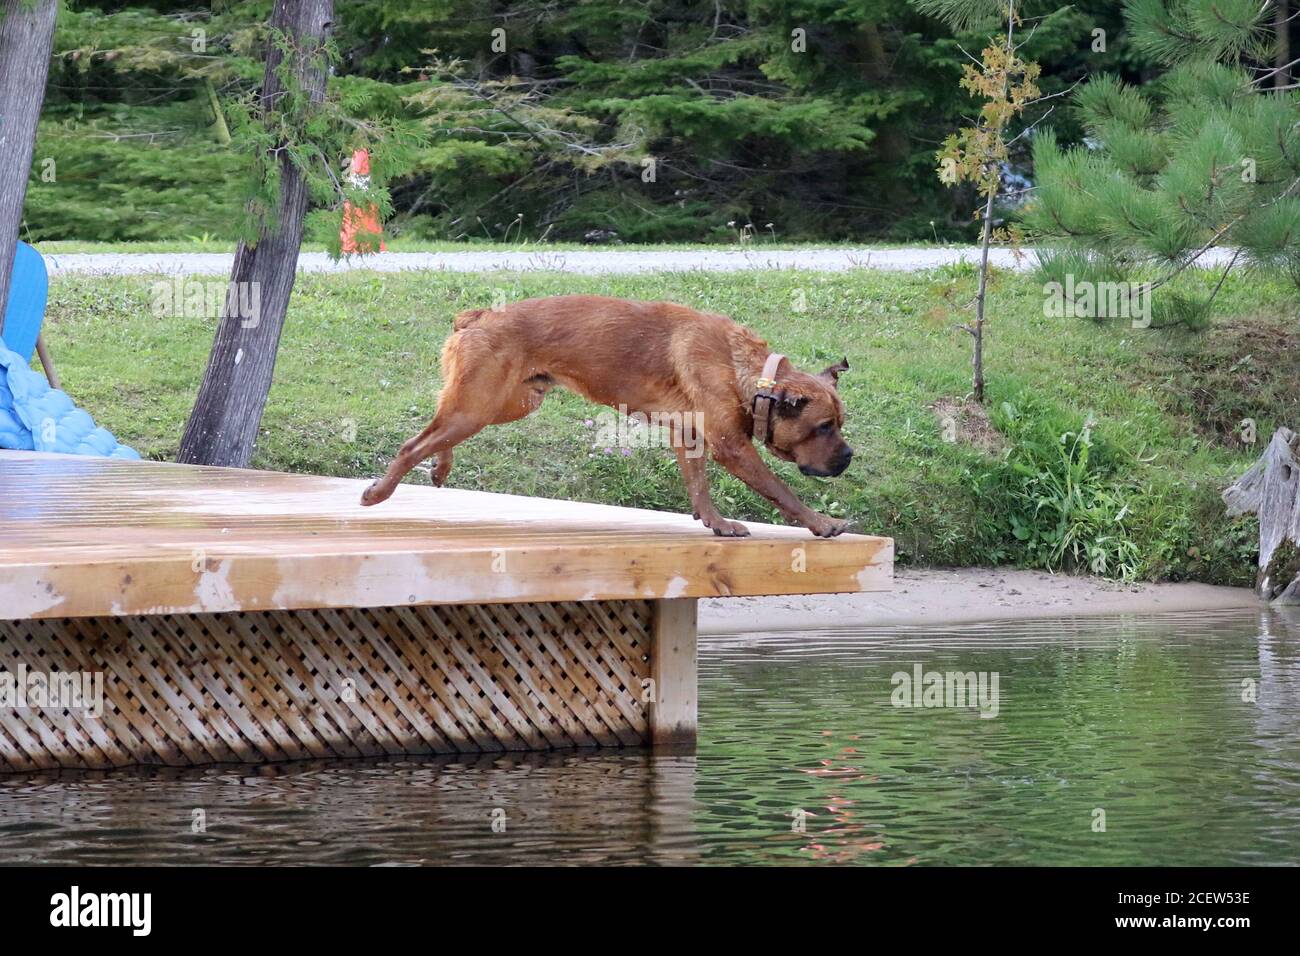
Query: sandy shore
(963, 595)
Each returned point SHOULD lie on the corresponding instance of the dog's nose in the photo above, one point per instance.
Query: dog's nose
(842, 461)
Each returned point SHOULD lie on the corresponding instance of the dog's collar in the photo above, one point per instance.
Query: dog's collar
(765, 398)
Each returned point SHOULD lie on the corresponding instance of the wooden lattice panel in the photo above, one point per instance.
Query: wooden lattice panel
(182, 689)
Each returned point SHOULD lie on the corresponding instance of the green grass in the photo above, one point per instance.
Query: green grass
(218, 244)
(359, 356)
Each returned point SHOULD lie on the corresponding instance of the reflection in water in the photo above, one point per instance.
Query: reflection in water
(1142, 718)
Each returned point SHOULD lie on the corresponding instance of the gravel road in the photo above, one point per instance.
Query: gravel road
(585, 262)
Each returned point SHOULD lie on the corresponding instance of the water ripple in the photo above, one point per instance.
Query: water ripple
(1140, 718)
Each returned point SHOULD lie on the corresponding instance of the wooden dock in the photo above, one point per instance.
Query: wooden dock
(244, 616)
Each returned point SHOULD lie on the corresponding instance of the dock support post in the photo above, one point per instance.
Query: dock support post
(672, 713)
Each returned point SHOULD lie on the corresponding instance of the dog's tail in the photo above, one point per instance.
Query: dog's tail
(465, 319)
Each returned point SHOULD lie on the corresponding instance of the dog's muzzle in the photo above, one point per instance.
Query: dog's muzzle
(836, 468)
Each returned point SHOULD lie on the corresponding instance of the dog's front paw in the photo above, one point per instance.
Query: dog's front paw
(727, 529)
(825, 527)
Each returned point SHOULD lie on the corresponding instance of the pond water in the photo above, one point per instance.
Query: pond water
(1163, 740)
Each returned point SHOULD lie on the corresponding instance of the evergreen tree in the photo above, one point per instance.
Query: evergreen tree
(1208, 156)
(666, 119)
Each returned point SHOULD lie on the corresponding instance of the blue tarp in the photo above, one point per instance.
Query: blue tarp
(29, 287)
(35, 417)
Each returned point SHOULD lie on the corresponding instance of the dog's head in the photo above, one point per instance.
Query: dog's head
(807, 418)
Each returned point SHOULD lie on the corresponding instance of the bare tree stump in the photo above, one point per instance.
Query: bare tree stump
(1271, 489)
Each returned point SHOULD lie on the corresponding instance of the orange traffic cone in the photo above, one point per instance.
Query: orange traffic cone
(360, 226)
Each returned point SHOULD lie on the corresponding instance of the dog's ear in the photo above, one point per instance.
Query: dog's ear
(790, 404)
(831, 373)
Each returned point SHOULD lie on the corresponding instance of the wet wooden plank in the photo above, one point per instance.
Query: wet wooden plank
(92, 537)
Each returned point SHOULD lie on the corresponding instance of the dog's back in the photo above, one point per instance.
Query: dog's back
(590, 321)
(589, 343)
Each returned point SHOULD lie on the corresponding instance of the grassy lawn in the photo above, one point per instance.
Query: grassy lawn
(218, 244)
(358, 374)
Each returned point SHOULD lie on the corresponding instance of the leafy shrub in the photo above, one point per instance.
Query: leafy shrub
(1066, 505)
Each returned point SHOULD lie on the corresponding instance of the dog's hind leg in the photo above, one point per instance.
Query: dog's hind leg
(524, 399)
(441, 468)
(471, 371)
(449, 428)
(471, 400)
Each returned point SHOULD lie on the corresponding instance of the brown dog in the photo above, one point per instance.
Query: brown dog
(662, 360)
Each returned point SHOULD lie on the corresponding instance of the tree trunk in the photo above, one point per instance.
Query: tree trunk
(26, 39)
(1270, 488)
(977, 327)
(222, 428)
(1281, 16)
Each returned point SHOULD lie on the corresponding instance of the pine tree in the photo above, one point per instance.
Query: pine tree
(661, 120)
(1208, 156)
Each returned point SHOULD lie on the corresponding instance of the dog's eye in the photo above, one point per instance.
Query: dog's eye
(825, 428)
